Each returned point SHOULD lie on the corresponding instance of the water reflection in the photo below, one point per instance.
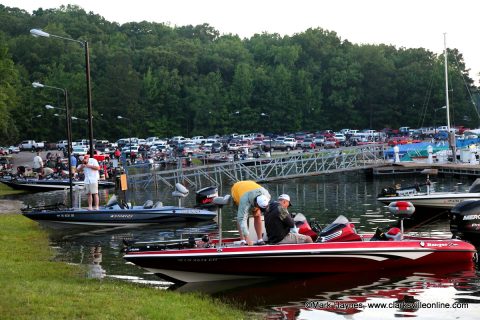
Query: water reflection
(322, 198)
(393, 292)
(95, 269)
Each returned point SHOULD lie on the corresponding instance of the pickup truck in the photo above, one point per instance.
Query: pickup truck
(31, 145)
(62, 144)
(199, 139)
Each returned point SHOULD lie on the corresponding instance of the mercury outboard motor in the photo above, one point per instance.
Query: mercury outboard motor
(204, 197)
(465, 219)
(339, 230)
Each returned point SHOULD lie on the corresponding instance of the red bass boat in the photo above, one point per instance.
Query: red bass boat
(338, 249)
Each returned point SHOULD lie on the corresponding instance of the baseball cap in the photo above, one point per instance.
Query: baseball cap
(262, 201)
(285, 197)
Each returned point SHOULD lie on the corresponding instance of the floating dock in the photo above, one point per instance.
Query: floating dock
(460, 169)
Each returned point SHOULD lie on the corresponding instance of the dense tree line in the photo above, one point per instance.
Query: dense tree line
(192, 80)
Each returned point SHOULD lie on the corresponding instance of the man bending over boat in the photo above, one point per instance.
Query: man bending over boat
(279, 223)
(250, 197)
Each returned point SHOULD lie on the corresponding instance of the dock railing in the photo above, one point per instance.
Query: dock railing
(280, 166)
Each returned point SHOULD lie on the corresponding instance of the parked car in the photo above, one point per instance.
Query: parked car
(319, 140)
(291, 142)
(216, 147)
(100, 156)
(31, 145)
(331, 143)
(233, 147)
(340, 137)
(190, 148)
(61, 145)
(307, 143)
(13, 149)
(79, 150)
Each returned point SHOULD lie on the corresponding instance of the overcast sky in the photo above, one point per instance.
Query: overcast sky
(402, 23)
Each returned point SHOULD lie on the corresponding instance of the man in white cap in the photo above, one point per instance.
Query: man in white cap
(250, 197)
(278, 223)
(90, 169)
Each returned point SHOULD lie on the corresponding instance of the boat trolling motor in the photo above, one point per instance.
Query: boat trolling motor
(220, 202)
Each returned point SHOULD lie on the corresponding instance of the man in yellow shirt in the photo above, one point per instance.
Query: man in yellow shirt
(250, 197)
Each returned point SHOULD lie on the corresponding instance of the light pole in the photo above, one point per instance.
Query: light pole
(84, 44)
(263, 114)
(68, 128)
(129, 138)
(435, 118)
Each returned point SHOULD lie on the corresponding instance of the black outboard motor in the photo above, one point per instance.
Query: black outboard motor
(204, 197)
(475, 187)
(465, 220)
(388, 192)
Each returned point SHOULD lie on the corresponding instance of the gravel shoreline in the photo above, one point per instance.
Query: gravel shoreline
(10, 206)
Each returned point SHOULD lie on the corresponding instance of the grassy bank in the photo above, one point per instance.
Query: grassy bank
(35, 287)
(5, 190)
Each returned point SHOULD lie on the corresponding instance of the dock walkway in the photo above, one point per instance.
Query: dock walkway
(463, 169)
(283, 166)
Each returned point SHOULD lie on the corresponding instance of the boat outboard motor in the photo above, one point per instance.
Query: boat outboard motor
(475, 187)
(388, 192)
(339, 230)
(204, 197)
(465, 219)
(180, 192)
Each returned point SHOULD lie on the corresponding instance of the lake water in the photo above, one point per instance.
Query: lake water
(425, 293)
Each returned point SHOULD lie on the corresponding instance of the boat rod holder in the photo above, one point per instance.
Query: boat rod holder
(220, 202)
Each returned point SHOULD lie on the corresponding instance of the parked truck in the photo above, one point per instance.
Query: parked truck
(31, 145)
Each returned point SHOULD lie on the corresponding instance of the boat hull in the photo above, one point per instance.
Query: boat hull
(119, 217)
(433, 200)
(36, 185)
(210, 264)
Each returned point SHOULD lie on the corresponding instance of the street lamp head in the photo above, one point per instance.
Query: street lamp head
(39, 33)
(119, 117)
(56, 115)
(263, 114)
(37, 84)
(49, 106)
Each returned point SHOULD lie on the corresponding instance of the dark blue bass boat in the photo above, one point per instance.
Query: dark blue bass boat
(39, 185)
(119, 213)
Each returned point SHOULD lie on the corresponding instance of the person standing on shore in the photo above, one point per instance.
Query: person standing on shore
(90, 169)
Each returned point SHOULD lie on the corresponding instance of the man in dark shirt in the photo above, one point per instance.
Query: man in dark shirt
(278, 223)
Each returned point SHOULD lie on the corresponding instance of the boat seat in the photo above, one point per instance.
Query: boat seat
(180, 191)
(179, 194)
(158, 204)
(148, 204)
